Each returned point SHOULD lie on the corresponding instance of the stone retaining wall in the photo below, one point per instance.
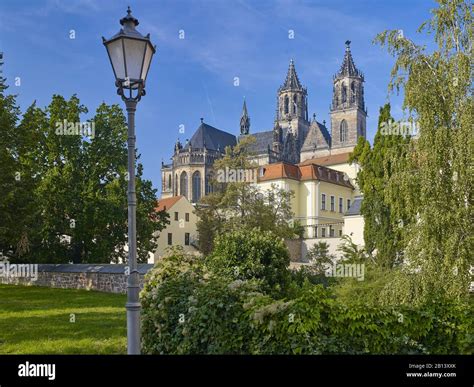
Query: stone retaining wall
(106, 278)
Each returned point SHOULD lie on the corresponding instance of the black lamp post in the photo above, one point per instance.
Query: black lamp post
(130, 54)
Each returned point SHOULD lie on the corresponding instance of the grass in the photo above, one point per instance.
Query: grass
(38, 320)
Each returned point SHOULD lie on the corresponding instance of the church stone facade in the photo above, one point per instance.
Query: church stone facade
(295, 136)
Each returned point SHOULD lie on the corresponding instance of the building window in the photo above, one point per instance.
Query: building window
(343, 131)
(323, 232)
(186, 216)
(340, 233)
(362, 128)
(175, 193)
(323, 201)
(295, 104)
(196, 186)
(183, 185)
(331, 231)
(348, 204)
(169, 182)
(353, 93)
(170, 239)
(341, 205)
(209, 183)
(186, 238)
(332, 203)
(287, 103)
(176, 216)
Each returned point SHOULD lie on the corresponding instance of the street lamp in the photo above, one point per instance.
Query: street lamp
(130, 54)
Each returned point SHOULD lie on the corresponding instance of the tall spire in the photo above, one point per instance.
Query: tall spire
(291, 82)
(348, 68)
(244, 120)
(1, 71)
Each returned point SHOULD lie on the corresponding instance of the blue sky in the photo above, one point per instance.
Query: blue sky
(194, 77)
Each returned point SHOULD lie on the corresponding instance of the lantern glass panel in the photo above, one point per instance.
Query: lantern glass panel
(115, 50)
(134, 55)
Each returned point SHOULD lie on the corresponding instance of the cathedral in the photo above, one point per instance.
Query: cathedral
(295, 139)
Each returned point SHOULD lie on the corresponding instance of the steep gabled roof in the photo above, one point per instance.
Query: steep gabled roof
(263, 140)
(318, 137)
(166, 204)
(212, 138)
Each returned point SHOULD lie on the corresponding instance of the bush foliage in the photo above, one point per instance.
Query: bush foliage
(197, 306)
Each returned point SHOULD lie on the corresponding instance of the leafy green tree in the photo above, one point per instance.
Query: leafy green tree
(11, 221)
(251, 254)
(240, 205)
(381, 231)
(432, 185)
(70, 203)
(352, 253)
(319, 257)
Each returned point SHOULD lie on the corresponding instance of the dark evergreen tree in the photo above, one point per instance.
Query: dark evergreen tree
(381, 235)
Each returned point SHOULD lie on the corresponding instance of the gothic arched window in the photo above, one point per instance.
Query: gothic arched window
(362, 128)
(169, 182)
(175, 185)
(287, 103)
(183, 184)
(196, 186)
(295, 103)
(344, 93)
(208, 183)
(343, 131)
(353, 92)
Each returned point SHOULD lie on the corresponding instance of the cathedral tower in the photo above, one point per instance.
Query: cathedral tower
(293, 108)
(348, 112)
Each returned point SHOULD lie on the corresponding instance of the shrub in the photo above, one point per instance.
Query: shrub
(191, 315)
(317, 323)
(164, 298)
(320, 258)
(251, 254)
(192, 308)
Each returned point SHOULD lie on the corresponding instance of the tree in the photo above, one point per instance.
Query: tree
(320, 258)
(381, 230)
(70, 204)
(434, 188)
(251, 254)
(10, 176)
(238, 205)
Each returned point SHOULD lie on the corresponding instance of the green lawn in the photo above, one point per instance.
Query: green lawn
(36, 320)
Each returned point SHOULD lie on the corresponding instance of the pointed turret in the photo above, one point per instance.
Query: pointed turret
(244, 120)
(292, 82)
(292, 98)
(348, 113)
(348, 67)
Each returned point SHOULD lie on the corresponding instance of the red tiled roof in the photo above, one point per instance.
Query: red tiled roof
(166, 204)
(303, 173)
(279, 170)
(328, 160)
